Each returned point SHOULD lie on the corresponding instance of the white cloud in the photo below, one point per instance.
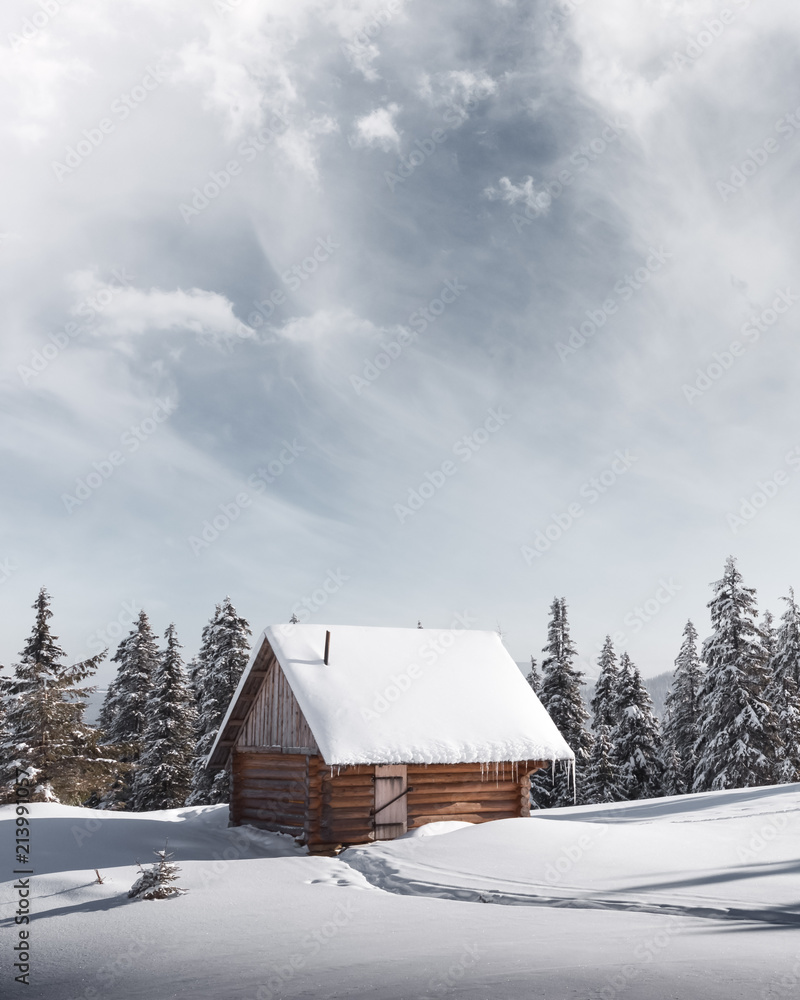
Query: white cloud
(119, 311)
(361, 24)
(458, 89)
(362, 56)
(527, 192)
(328, 325)
(378, 130)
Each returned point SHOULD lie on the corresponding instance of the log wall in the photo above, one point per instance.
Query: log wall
(341, 803)
(470, 793)
(332, 807)
(271, 791)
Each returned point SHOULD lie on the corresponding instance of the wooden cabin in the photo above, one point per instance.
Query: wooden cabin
(341, 735)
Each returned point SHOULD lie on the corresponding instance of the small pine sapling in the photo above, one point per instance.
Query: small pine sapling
(156, 881)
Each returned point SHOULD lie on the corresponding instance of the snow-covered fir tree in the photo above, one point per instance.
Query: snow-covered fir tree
(782, 689)
(224, 652)
(601, 781)
(157, 881)
(533, 677)
(769, 638)
(635, 738)
(738, 742)
(783, 695)
(45, 703)
(672, 780)
(193, 674)
(786, 662)
(163, 775)
(605, 698)
(5, 730)
(123, 715)
(560, 693)
(124, 712)
(682, 716)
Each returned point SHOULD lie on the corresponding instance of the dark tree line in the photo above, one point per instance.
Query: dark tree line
(732, 715)
(155, 728)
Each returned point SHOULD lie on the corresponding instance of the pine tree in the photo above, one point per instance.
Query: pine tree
(124, 712)
(782, 690)
(561, 696)
(673, 780)
(682, 716)
(46, 700)
(601, 783)
(787, 641)
(6, 686)
(769, 638)
(604, 700)
(635, 738)
(163, 775)
(782, 693)
(738, 741)
(223, 655)
(157, 881)
(533, 678)
(123, 716)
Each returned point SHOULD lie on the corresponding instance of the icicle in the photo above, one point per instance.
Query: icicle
(574, 785)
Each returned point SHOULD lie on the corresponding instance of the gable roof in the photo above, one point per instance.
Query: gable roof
(404, 695)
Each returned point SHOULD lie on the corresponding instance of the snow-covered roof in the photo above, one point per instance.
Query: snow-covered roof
(408, 695)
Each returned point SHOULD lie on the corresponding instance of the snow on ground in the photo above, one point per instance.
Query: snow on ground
(684, 897)
(727, 854)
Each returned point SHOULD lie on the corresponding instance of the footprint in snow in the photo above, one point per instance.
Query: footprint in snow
(355, 880)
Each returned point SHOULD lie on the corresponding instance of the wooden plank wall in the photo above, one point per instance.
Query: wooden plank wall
(275, 719)
(270, 791)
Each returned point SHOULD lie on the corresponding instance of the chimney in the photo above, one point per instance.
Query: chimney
(327, 646)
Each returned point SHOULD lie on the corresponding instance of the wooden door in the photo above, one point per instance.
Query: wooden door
(391, 801)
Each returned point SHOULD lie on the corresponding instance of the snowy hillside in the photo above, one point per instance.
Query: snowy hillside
(681, 897)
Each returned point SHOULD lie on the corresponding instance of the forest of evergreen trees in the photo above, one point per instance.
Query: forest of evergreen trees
(732, 715)
(156, 725)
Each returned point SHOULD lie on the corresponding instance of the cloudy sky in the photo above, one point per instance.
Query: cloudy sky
(403, 310)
